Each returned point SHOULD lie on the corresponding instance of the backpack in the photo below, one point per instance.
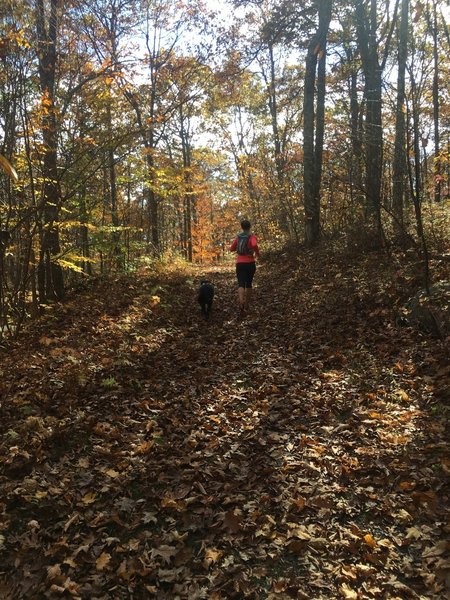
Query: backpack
(242, 244)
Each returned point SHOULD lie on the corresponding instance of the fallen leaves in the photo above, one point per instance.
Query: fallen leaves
(171, 468)
(102, 561)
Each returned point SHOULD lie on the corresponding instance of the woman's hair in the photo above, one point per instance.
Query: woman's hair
(245, 224)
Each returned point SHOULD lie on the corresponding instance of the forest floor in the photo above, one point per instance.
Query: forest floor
(301, 452)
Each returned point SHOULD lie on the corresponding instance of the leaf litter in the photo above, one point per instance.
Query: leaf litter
(299, 453)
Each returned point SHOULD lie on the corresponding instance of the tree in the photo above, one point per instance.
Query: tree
(399, 174)
(50, 275)
(271, 37)
(366, 27)
(313, 122)
(432, 20)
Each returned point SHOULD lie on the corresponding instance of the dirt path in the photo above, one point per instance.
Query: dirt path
(299, 453)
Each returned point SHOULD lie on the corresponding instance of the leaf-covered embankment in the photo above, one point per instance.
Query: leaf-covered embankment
(300, 452)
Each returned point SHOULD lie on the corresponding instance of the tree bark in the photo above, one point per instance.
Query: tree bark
(400, 156)
(187, 183)
(50, 275)
(367, 43)
(278, 149)
(313, 125)
(436, 108)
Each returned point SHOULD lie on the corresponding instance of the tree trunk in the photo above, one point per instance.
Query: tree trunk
(399, 163)
(436, 108)
(278, 149)
(313, 126)
(113, 192)
(417, 187)
(50, 275)
(187, 183)
(367, 43)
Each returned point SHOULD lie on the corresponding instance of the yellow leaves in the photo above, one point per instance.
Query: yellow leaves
(18, 38)
(46, 100)
(67, 264)
(76, 225)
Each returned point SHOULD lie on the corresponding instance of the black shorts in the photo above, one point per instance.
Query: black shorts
(245, 273)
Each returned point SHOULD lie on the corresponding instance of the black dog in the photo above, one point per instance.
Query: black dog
(205, 297)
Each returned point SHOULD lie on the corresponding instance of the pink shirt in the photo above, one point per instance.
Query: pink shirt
(253, 247)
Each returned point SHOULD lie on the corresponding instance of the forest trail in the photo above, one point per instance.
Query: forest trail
(298, 453)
